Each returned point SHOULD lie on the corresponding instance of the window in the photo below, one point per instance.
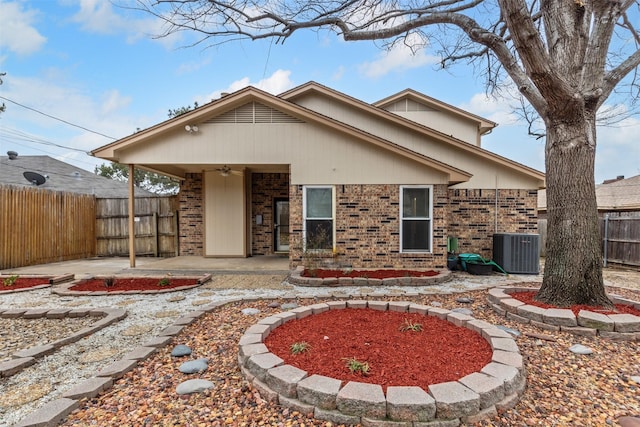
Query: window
(415, 215)
(318, 217)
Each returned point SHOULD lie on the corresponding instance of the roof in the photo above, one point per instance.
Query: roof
(285, 102)
(619, 195)
(484, 125)
(61, 176)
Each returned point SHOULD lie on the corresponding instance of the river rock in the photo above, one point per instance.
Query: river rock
(250, 311)
(289, 306)
(510, 331)
(465, 300)
(194, 366)
(180, 350)
(193, 386)
(580, 349)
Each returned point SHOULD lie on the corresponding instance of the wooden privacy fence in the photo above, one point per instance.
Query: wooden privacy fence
(156, 227)
(620, 239)
(39, 226)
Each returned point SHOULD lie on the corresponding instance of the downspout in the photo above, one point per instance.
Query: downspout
(496, 208)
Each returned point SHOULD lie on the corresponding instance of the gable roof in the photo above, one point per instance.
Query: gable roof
(280, 103)
(484, 125)
(62, 176)
(427, 131)
(619, 195)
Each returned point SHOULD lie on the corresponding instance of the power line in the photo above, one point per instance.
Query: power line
(56, 118)
(20, 135)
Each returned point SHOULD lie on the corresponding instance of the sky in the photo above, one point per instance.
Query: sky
(82, 73)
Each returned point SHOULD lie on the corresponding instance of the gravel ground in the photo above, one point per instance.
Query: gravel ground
(563, 389)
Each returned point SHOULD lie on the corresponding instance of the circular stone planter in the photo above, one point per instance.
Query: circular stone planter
(588, 323)
(479, 395)
(296, 278)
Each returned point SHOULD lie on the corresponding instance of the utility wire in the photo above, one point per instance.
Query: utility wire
(56, 118)
(19, 135)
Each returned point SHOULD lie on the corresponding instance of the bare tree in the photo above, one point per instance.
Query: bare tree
(566, 57)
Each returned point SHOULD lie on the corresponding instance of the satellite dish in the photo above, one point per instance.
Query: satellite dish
(34, 178)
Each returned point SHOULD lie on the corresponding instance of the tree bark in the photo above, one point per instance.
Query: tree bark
(573, 266)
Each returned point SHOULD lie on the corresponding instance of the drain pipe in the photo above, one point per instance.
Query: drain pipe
(496, 208)
(606, 237)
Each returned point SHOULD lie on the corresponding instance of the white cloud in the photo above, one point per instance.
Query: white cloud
(496, 110)
(18, 33)
(100, 17)
(399, 57)
(275, 84)
(114, 101)
(617, 150)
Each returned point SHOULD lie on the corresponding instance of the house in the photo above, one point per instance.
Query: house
(315, 171)
(60, 176)
(619, 197)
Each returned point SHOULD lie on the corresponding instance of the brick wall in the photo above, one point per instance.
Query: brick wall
(265, 187)
(367, 224)
(368, 228)
(472, 215)
(191, 219)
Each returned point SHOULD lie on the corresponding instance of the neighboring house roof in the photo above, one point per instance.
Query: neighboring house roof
(619, 195)
(62, 176)
(131, 147)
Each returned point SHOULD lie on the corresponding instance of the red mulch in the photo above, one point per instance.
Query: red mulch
(370, 274)
(395, 357)
(528, 298)
(131, 284)
(23, 282)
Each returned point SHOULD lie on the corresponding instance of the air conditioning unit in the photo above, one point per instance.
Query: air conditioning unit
(517, 253)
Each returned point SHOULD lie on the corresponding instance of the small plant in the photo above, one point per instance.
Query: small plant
(109, 282)
(410, 326)
(357, 367)
(11, 280)
(165, 281)
(300, 347)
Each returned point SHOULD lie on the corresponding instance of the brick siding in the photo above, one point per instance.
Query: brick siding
(191, 220)
(265, 187)
(472, 216)
(368, 221)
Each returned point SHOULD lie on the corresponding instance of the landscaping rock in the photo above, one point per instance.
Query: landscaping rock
(436, 304)
(274, 304)
(250, 311)
(510, 331)
(193, 386)
(194, 366)
(180, 350)
(465, 300)
(289, 306)
(580, 349)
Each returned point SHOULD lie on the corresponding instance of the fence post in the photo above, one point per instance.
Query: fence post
(156, 235)
(606, 237)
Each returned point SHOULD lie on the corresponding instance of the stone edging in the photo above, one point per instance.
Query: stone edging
(27, 357)
(623, 327)
(64, 290)
(55, 411)
(479, 395)
(295, 278)
(50, 281)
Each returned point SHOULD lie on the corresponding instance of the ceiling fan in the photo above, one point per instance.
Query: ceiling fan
(226, 171)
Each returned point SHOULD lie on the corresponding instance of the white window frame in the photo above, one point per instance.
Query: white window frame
(429, 218)
(333, 215)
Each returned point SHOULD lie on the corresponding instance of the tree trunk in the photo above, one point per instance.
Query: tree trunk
(573, 266)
